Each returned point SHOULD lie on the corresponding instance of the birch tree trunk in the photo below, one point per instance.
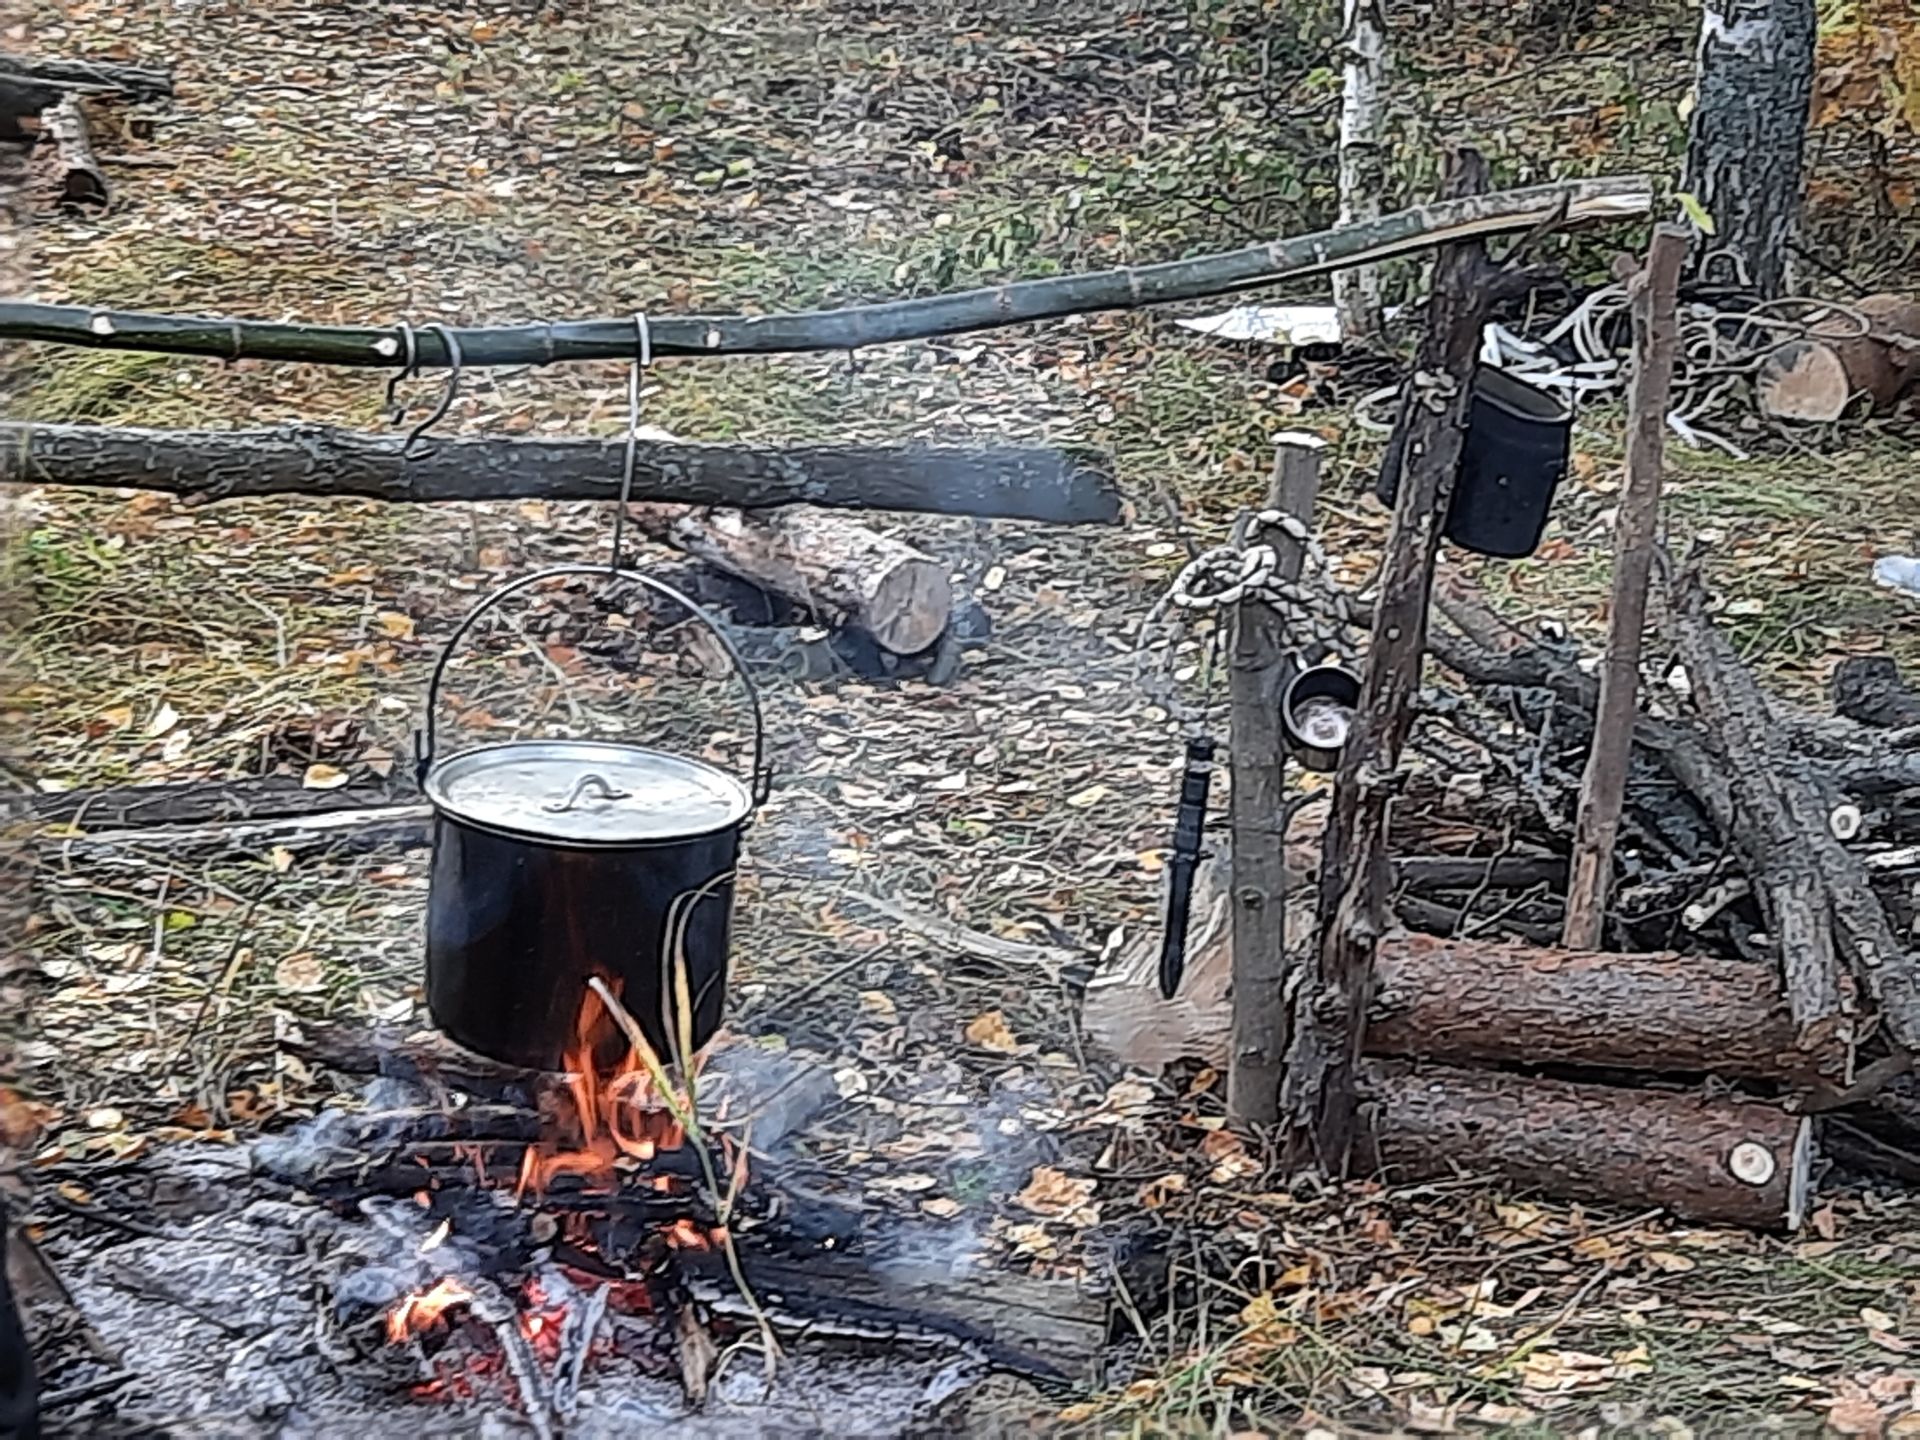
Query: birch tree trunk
(1356, 292)
(1753, 86)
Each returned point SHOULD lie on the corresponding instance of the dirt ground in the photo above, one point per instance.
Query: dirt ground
(368, 162)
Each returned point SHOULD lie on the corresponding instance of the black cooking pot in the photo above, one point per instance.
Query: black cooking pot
(555, 861)
(1512, 460)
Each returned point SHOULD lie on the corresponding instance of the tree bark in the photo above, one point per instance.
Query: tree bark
(1330, 1012)
(838, 569)
(1753, 87)
(83, 184)
(1404, 233)
(1710, 1160)
(1363, 99)
(1259, 798)
(1603, 787)
(1475, 1002)
(208, 465)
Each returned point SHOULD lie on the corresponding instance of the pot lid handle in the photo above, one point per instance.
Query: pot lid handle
(426, 739)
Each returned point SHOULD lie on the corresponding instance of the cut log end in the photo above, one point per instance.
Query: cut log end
(908, 606)
(1707, 1159)
(1805, 381)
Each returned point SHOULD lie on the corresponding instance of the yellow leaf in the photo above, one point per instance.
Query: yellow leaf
(1696, 212)
(119, 717)
(990, 1032)
(281, 859)
(324, 777)
(877, 1003)
(396, 625)
(1092, 795)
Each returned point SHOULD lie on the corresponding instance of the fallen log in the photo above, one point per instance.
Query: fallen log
(200, 802)
(1708, 1159)
(82, 183)
(208, 465)
(1473, 1002)
(352, 831)
(29, 85)
(1402, 233)
(841, 571)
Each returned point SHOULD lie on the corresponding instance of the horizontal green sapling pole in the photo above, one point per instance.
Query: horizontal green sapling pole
(1404, 233)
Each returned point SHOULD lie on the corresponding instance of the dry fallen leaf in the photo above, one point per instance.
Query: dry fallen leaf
(941, 1207)
(877, 1003)
(321, 776)
(1057, 1195)
(395, 625)
(1671, 1263)
(281, 859)
(990, 1032)
(300, 973)
(164, 719)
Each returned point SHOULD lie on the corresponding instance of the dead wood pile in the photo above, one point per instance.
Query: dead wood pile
(1752, 1021)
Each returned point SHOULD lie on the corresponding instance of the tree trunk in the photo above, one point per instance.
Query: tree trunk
(207, 465)
(1363, 101)
(1710, 1160)
(1753, 86)
(1473, 1002)
(1259, 801)
(841, 571)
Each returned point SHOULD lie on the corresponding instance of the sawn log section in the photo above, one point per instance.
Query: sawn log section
(1013, 483)
(1709, 1159)
(1472, 1002)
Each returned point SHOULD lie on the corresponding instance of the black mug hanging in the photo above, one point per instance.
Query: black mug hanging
(1512, 460)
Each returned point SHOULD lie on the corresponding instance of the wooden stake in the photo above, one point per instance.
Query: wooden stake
(1604, 786)
(1330, 1007)
(1257, 763)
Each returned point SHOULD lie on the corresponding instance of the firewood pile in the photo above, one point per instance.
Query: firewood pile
(1748, 1027)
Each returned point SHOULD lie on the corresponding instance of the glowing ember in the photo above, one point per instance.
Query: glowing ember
(612, 1118)
(418, 1312)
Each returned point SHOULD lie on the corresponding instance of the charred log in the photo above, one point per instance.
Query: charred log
(208, 465)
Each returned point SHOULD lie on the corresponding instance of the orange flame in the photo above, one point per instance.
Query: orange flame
(613, 1118)
(417, 1312)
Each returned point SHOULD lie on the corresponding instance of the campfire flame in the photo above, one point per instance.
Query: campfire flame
(417, 1312)
(614, 1117)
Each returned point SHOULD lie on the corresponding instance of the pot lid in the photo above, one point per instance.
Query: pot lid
(587, 792)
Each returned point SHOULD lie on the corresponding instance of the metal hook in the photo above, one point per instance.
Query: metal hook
(446, 399)
(409, 367)
(643, 357)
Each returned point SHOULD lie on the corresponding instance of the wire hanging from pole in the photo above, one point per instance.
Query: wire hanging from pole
(642, 359)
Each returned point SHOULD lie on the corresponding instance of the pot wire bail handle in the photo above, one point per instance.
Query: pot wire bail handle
(642, 359)
(426, 739)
